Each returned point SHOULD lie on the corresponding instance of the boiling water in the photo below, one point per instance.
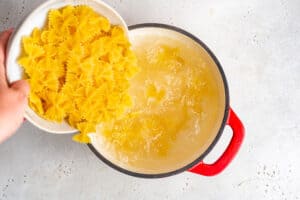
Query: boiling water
(178, 106)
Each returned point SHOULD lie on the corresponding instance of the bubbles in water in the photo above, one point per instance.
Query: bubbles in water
(169, 93)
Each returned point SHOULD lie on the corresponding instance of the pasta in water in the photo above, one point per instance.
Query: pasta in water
(78, 67)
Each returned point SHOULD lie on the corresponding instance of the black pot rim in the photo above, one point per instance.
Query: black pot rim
(201, 157)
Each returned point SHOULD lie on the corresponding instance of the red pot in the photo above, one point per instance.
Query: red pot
(229, 118)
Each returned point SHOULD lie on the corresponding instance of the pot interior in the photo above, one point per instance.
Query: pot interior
(179, 103)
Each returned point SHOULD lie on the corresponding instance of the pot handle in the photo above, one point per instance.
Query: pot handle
(231, 150)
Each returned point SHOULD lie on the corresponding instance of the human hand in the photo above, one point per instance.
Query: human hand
(13, 97)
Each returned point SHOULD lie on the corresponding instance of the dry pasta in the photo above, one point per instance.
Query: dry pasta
(78, 67)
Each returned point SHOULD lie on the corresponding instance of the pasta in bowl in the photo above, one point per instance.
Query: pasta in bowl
(71, 62)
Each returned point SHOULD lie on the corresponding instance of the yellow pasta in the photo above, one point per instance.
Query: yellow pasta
(78, 67)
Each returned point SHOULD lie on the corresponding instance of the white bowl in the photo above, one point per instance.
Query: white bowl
(37, 19)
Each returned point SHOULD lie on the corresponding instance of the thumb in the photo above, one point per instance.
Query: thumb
(22, 86)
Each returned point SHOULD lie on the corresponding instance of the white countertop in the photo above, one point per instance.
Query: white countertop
(258, 44)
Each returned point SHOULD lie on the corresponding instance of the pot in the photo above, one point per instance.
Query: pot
(228, 116)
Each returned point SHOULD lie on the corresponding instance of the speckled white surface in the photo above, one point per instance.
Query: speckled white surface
(258, 44)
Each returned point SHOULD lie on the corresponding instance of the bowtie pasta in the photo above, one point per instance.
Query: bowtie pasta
(78, 67)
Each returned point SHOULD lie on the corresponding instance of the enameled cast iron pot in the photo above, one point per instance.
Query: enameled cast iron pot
(229, 118)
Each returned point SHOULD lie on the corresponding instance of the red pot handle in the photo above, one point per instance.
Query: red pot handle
(231, 150)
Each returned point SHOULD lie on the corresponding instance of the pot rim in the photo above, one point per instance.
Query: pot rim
(224, 121)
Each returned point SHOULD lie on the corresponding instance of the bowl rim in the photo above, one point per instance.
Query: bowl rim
(220, 131)
(27, 18)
